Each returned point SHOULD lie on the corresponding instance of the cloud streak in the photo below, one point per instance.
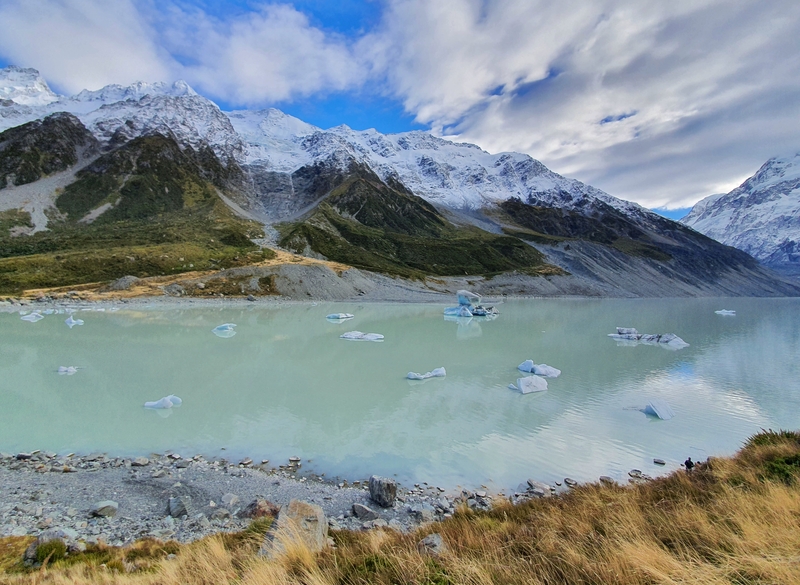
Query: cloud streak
(661, 103)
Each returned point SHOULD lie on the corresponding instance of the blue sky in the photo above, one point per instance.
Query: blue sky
(658, 103)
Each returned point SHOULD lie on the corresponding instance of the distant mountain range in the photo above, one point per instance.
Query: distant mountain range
(761, 217)
(152, 171)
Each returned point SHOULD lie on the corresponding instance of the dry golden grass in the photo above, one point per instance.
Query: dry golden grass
(734, 521)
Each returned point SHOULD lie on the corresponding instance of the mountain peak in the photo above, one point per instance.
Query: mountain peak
(25, 86)
(135, 91)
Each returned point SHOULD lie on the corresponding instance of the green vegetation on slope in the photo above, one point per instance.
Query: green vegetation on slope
(370, 225)
(164, 218)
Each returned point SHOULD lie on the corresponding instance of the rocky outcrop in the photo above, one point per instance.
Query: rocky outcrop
(298, 524)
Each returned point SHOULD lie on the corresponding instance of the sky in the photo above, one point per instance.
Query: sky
(662, 103)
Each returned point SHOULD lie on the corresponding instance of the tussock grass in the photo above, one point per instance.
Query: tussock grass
(731, 521)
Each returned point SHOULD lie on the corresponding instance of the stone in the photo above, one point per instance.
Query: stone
(423, 512)
(105, 508)
(260, 508)
(229, 500)
(433, 544)
(159, 473)
(299, 522)
(570, 482)
(140, 462)
(538, 488)
(607, 480)
(659, 462)
(179, 506)
(220, 514)
(123, 283)
(183, 463)
(362, 512)
(382, 491)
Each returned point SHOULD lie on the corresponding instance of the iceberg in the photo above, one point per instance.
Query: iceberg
(67, 370)
(225, 330)
(727, 312)
(660, 408)
(465, 298)
(539, 369)
(33, 317)
(435, 373)
(72, 322)
(339, 316)
(459, 311)
(529, 384)
(166, 402)
(358, 336)
(667, 340)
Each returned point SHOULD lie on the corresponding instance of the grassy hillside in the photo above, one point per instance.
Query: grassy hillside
(160, 215)
(731, 521)
(369, 224)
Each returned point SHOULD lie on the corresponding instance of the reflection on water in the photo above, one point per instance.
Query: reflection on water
(285, 385)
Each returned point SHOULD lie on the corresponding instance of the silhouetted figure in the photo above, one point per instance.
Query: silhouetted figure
(689, 464)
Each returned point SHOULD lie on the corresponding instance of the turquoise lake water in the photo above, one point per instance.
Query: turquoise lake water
(286, 385)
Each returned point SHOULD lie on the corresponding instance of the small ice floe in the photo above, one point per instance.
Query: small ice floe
(71, 322)
(460, 311)
(67, 370)
(629, 334)
(225, 330)
(660, 408)
(49, 311)
(166, 402)
(339, 316)
(726, 312)
(358, 336)
(435, 373)
(33, 317)
(529, 384)
(539, 369)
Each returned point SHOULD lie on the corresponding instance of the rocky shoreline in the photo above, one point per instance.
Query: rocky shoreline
(96, 498)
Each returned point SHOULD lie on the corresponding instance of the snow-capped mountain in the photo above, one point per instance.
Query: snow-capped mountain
(456, 175)
(761, 217)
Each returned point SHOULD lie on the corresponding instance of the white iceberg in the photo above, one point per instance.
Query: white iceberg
(667, 340)
(466, 298)
(339, 316)
(530, 384)
(358, 336)
(166, 402)
(33, 317)
(539, 369)
(72, 322)
(660, 408)
(435, 373)
(727, 312)
(67, 370)
(225, 330)
(459, 311)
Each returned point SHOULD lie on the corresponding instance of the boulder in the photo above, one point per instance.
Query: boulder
(105, 508)
(260, 508)
(123, 283)
(433, 544)
(298, 523)
(382, 491)
(362, 512)
(140, 462)
(179, 506)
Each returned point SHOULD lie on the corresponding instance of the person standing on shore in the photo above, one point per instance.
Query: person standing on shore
(689, 464)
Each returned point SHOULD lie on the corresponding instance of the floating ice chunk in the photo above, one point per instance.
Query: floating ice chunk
(627, 331)
(339, 316)
(33, 317)
(667, 340)
(466, 298)
(67, 370)
(727, 312)
(660, 408)
(539, 369)
(72, 322)
(225, 330)
(459, 311)
(176, 401)
(49, 311)
(162, 403)
(530, 384)
(436, 373)
(358, 336)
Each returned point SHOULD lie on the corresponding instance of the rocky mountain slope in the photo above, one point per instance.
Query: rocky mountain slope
(761, 216)
(408, 204)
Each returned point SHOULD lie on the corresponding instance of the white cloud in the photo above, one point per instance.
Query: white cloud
(82, 44)
(687, 90)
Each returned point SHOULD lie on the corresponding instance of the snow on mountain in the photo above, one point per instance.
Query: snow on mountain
(761, 217)
(25, 87)
(456, 175)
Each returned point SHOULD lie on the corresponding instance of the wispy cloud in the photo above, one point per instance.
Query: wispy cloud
(657, 102)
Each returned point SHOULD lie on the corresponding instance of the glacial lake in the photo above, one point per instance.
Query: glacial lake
(287, 385)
